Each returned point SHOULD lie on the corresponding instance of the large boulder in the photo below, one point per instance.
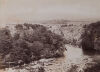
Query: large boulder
(91, 37)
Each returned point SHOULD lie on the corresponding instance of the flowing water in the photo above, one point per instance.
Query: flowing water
(74, 61)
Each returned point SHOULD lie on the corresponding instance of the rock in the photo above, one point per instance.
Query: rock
(91, 37)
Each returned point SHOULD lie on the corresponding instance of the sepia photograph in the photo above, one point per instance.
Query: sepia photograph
(49, 35)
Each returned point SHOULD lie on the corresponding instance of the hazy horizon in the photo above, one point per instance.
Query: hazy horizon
(36, 10)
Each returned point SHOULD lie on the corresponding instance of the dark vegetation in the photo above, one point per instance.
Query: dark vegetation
(91, 37)
(29, 43)
(95, 68)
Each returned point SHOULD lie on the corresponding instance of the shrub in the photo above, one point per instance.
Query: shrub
(29, 43)
(5, 41)
(95, 68)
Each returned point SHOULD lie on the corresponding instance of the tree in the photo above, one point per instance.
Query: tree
(5, 41)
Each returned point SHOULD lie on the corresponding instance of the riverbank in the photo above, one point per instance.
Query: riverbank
(73, 61)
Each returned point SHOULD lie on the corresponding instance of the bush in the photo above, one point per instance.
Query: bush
(29, 43)
(95, 68)
(5, 41)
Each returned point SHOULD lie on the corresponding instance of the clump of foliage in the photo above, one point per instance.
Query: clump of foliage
(91, 37)
(95, 68)
(5, 41)
(30, 42)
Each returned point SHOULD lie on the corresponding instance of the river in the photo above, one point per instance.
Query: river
(74, 61)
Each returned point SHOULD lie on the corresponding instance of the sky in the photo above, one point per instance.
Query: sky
(25, 10)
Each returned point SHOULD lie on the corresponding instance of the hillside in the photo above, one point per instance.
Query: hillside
(74, 59)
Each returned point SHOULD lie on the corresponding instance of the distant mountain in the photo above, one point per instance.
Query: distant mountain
(56, 21)
(64, 21)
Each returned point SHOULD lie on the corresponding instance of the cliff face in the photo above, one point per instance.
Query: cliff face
(91, 37)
